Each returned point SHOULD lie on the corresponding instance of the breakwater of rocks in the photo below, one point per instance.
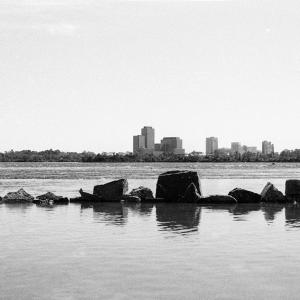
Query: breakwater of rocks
(173, 186)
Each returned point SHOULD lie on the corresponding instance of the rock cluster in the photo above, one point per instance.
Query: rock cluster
(181, 186)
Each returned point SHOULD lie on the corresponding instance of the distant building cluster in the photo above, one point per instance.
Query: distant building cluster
(144, 144)
(236, 148)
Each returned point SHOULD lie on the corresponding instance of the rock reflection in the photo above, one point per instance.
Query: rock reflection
(110, 213)
(270, 210)
(242, 210)
(140, 208)
(179, 218)
(292, 215)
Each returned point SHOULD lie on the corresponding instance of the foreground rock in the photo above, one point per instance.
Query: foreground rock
(191, 194)
(19, 196)
(271, 194)
(217, 199)
(245, 196)
(51, 197)
(130, 198)
(173, 185)
(142, 192)
(112, 191)
(292, 189)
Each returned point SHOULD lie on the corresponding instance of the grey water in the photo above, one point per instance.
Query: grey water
(145, 251)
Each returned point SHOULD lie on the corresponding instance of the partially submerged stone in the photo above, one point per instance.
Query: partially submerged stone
(20, 196)
(191, 194)
(130, 198)
(217, 199)
(173, 185)
(51, 197)
(87, 197)
(292, 189)
(142, 192)
(245, 196)
(271, 194)
(111, 191)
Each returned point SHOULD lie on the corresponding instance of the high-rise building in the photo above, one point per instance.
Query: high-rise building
(236, 147)
(148, 133)
(138, 143)
(172, 145)
(267, 148)
(211, 145)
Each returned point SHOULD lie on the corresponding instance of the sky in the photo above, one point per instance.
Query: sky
(87, 75)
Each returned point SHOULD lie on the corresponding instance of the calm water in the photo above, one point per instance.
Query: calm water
(143, 251)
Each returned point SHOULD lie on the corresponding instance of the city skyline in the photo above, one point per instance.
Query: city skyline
(221, 68)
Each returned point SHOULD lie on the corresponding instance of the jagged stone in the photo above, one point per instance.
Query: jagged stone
(191, 194)
(54, 198)
(112, 191)
(131, 198)
(20, 196)
(172, 185)
(271, 194)
(142, 192)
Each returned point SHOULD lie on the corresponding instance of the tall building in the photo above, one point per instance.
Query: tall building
(172, 145)
(211, 145)
(236, 147)
(138, 143)
(148, 133)
(267, 148)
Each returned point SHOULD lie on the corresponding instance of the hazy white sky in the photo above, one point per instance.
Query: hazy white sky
(87, 75)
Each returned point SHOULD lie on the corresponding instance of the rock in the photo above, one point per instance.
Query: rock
(142, 192)
(217, 199)
(172, 185)
(292, 189)
(54, 198)
(130, 198)
(191, 194)
(244, 196)
(271, 194)
(19, 196)
(112, 191)
(87, 197)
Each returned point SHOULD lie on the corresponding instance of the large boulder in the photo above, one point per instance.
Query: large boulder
(51, 197)
(142, 192)
(191, 194)
(292, 189)
(271, 194)
(245, 196)
(217, 199)
(172, 185)
(112, 191)
(19, 196)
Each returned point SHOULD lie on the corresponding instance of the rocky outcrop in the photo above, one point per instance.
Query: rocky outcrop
(142, 192)
(112, 191)
(50, 197)
(173, 185)
(292, 189)
(19, 196)
(191, 194)
(217, 199)
(245, 196)
(271, 194)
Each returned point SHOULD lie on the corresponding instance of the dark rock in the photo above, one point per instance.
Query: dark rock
(77, 200)
(191, 194)
(142, 192)
(54, 198)
(19, 196)
(130, 198)
(217, 199)
(172, 185)
(112, 191)
(271, 194)
(89, 197)
(292, 189)
(244, 196)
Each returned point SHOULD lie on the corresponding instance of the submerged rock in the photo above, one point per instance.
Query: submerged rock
(131, 198)
(87, 197)
(245, 196)
(19, 196)
(142, 192)
(191, 194)
(51, 197)
(292, 189)
(217, 199)
(173, 185)
(111, 191)
(271, 194)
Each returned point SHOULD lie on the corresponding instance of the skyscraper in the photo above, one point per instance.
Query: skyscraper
(148, 133)
(267, 148)
(236, 147)
(172, 145)
(211, 145)
(138, 143)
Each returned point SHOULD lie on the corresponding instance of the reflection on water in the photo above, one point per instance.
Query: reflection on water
(292, 215)
(110, 213)
(270, 210)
